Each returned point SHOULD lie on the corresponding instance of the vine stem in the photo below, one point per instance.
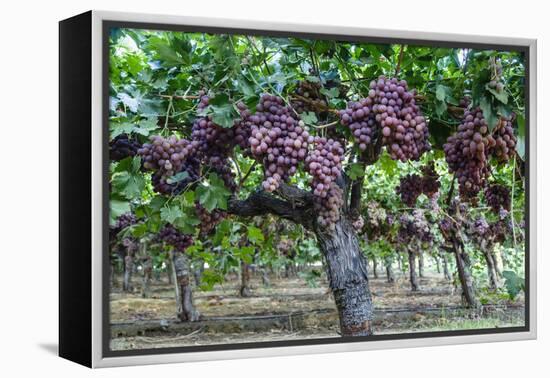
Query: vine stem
(512, 202)
(399, 60)
(171, 97)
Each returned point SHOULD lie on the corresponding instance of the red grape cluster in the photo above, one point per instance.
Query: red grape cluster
(208, 135)
(173, 237)
(122, 222)
(480, 228)
(430, 180)
(209, 220)
(324, 163)
(166, 157)
(389, 109)
(410, 188)
(358, 223)
(497, 196)
(467, 152)
(496, 83)
(377, 219)
(122, 147)
(277, 139)
(328, 207)
(414, 226)
(310, 91)
(505, 140)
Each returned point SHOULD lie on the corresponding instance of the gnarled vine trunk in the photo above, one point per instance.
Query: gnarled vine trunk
(420, 264)
(128, 270)
(347, 275)
(446, 272)
(463, 268)
(244, 290)
(389, 272)
(375, 267)
(412, 271)
(147, 277)
(185, 310)
(491, 265)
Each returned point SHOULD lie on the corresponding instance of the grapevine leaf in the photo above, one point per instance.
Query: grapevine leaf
(309, 118)
(488, 113)
(255, 235)
(177, 177)
(520, 147)
(169, 214)
(213, 194)
(117, 208)
(330, 93)
(502, 96)
(441, 92)
(355, 171)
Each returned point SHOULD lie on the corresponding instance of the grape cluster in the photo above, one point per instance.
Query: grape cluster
(286, 247)
(328, 207)
(410, 188)
(166, 157)
(389, 110)
(173, 237)
(209, 220)
(358, 223)
(495, 67)
(122, 147)
(430, 180)
(277, 139)
(414, 226)
(480, 228)
(215, 143)
(505, 140)
(378, 220)
(467, 152)
(497, 197)
(324, 163)
(310, 91)
(122, 222)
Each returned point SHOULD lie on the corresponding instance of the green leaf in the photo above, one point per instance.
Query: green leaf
(177, 177)
(127, 179)
(520, 146)
(440, 92)
(255, 235)
(213, 194)
(330, 93)
(502, 96)
(355, 170)
(513, 283)
(169, 214)
(309, 118)
(488, 113)
(117, 208)
(246, 254)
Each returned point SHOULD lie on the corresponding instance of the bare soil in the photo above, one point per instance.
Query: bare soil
(289, 309)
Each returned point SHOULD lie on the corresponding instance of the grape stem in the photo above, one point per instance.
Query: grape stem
(399, 60)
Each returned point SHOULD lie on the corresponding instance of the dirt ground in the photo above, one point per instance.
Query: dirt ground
(289, 309)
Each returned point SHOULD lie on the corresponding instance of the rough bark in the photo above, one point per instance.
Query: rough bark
(147, 277)
(463, 268)
(446, 272)
(491, 268)
(347, 276)
(185, 310)
(345, 263)
(375, 266)
(389, 272)
(265, 277)
(497, 262)
(170, 271)
(420, 264)
(412, 272)
(437, 264)
(244, 290)
(128, 270)
(198, 271)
